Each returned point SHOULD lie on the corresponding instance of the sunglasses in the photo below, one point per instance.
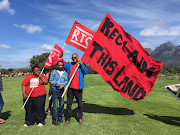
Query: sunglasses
(73, 57)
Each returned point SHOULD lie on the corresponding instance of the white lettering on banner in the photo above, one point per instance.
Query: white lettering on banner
(34, 82)
(84, 36)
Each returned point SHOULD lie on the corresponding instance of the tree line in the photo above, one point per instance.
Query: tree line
(41, 59)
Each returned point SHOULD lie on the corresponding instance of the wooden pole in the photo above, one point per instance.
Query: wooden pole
(70, 81)
(31, 92)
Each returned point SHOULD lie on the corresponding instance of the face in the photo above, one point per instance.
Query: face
(36, 71)
(60, 65)
(75, 57)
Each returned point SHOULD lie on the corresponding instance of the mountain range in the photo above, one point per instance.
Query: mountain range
(167, 53)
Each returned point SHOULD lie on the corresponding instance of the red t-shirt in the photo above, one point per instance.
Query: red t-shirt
(75, 82)
(32, 81)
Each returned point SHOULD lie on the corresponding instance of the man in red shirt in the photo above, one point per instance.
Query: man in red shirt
(36, 103)
(76, 87)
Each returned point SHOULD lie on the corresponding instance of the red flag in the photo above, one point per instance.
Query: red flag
(80, 36)
(54, 57)
(121, 60)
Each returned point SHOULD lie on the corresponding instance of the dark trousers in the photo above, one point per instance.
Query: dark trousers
(1, 103)
(35, 110)
(70, 96)
(57, 98)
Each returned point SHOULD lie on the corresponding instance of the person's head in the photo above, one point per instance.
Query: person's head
(60, 65)
(36, 70)
(75, 57)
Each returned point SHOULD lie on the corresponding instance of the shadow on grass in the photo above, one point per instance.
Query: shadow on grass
(94, 108)
(165, 119)
(98, 109)
(6, 115)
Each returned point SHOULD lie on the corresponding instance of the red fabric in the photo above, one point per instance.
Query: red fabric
(75, 81)
(54, 57)
(80, 36)
(38, 91)
(121, 60)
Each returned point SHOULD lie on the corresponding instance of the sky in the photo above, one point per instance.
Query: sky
(33, 27)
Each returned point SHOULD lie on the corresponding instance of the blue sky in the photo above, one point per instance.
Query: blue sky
(33, 27)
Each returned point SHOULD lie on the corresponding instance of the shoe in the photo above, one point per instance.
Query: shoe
(66, 123)
(56, 122)
(81, 122)
(2, 121)
(60, 119)
(40, 125)
(25, 125)
(49, 114)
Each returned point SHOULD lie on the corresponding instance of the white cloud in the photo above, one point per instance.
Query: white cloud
(67, 51)
(159, 32)
(5, 46)
(66, 57)
(5, 6)
(29, 50)
(47, 47)
(151, 44)
(30, 28)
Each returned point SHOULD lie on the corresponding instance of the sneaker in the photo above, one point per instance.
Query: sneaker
(60, 119)
(40, 125)
(66, 123)
(2, 121)
(81, 122)
(49, 114)
(56, 122)
(25, 125)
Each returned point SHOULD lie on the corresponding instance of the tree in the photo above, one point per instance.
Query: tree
(40, 60)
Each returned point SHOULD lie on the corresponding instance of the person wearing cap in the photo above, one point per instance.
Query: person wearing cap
(58, 80)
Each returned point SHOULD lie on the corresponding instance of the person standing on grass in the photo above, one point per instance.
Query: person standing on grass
(76, 87)
(58, 79)
(1, 100)
(35, 107)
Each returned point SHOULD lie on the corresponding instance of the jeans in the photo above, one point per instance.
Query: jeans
(1, 103)
(70, 96)
(57, 97)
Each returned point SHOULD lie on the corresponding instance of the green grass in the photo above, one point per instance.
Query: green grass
(106, 112)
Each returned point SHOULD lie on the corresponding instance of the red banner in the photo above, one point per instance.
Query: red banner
(80, 36)
(121, 60)
(54, 57)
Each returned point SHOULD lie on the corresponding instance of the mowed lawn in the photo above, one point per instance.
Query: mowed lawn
(106, 112)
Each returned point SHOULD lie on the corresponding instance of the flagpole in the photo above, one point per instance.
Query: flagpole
(63, 45)
(70, 81)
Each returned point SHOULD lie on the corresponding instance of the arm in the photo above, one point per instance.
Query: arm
(23, 91)
(45, 81)
(83, 67)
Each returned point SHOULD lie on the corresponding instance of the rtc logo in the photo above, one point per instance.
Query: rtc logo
(81, 37)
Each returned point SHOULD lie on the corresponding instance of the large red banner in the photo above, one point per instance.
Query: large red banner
(80, 36)
(121, 60)
(54, 57)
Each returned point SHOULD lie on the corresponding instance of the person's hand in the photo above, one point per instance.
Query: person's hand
(61, 87)
(80, 61)
(40, 75)
(58, 84)
(24, 96)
